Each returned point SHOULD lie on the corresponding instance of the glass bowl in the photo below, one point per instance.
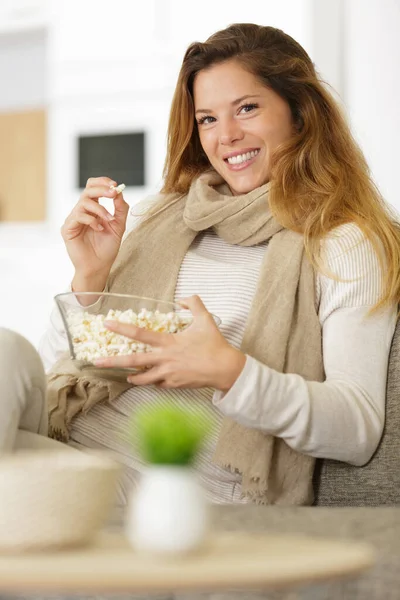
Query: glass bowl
(84, 313)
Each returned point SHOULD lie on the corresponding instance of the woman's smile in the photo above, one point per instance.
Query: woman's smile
(241, 159)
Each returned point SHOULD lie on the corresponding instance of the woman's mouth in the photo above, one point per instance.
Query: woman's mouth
(241, 161)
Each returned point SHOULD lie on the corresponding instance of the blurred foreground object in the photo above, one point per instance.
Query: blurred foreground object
(54, 499)
(168, 513)
(233, 561)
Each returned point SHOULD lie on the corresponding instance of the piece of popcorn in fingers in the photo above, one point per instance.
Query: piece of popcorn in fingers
(120, 188)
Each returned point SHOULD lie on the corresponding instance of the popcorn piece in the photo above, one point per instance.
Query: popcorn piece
(120, 188)
(92, 340)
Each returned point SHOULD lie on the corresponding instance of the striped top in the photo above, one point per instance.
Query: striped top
(341, 418)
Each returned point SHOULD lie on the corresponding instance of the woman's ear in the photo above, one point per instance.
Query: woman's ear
(298, 122)
(297, 117)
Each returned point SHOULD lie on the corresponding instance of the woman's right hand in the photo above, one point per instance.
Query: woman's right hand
(92, 235)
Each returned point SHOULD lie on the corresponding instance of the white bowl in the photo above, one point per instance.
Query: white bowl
(54, 499)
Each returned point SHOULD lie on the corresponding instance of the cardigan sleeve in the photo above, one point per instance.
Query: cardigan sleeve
(343, 417)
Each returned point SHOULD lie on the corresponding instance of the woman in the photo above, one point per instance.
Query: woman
(269, 219)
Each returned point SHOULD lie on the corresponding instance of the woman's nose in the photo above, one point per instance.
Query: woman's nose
(229, 132)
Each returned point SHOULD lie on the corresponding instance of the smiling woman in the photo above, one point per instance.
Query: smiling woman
(241, 131)
(267, 218)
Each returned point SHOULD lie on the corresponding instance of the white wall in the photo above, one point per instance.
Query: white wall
(34, 267)
(326, 33)
(107, 67)
(23, 70)
(372, 87)
(115, 70)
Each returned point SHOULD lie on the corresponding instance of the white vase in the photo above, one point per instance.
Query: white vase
(168, 511)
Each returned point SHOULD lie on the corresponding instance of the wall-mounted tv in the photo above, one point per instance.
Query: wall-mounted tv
(118, 156)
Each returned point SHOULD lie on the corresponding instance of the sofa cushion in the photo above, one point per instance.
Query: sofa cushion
(378, 482)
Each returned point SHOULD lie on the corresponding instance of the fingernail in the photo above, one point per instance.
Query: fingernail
(110, 218)
(100, 227)
(99, 362)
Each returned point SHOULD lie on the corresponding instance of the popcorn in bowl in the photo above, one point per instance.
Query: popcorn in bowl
(84, 313)
(91, 339)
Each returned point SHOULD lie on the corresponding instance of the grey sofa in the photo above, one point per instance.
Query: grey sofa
(378, 482)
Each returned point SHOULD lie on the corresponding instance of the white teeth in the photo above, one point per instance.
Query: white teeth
(240, 158)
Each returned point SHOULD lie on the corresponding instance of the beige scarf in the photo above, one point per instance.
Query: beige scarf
(282, 329)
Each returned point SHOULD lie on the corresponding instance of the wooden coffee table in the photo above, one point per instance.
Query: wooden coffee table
(227, 561)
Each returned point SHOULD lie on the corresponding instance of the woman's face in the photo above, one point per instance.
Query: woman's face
(240, 123)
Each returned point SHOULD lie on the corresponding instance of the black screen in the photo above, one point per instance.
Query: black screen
(119, 156)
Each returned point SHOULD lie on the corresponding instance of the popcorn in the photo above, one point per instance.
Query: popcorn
(92, 340)
(120, 188)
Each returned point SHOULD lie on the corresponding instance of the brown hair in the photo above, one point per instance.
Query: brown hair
(319, 178)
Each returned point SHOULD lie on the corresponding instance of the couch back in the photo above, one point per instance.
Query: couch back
(378, 482)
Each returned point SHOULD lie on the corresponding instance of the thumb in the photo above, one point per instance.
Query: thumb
(194, 304)
(121, 208)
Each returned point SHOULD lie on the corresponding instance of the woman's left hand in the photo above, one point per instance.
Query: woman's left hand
(197, 357)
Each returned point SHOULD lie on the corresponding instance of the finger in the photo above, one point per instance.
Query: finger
(95, 181)
(194, 304)
(92, 207)
(79, 219)
(130, 361)
(152, 376)
(98, 191)
(121, 207)
(140, 334)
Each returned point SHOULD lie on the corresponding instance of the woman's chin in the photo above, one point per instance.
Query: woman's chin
(244, 185)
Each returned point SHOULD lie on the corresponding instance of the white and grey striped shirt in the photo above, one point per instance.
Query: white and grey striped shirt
(341, 418)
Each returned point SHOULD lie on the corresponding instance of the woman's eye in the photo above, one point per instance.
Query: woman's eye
(205, 120)
(248, 107)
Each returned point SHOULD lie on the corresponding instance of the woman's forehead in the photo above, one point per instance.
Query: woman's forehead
(225, 82)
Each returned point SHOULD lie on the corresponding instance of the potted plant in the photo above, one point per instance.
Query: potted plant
(168, 510)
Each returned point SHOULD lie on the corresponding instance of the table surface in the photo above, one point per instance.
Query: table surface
(227, 561)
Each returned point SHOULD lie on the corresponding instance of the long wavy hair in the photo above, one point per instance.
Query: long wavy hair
(319, 178)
